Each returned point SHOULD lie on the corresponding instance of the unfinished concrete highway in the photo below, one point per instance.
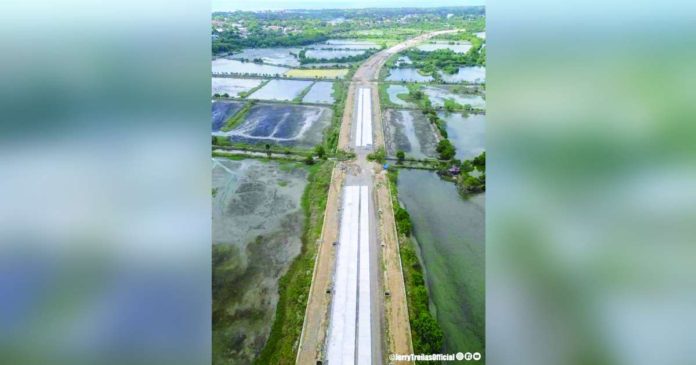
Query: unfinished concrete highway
(350, 319)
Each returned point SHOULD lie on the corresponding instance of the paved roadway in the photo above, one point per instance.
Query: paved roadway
(361, 173)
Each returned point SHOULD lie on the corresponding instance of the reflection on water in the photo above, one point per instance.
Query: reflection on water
(438, 96)
(457, 47)
(467, 133)
(475, 75)
(283, 90)
(450, 233)
(232, 86)
(225, 66)
(394, 90)
(320, 93)
(407, 74)
(409, 131)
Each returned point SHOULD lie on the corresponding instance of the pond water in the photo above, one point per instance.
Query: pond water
(467, 133)
(226, 66)
(223, 110)
(450, 233)
(438, 96)
(320, 93)
(257, 224)
(407, 74)
(344, 44)
(331, 54)
(283, 90)
(468, 74)
(275, 56)
(231, 86)
(457, 47)
(394, 90)
(285, 125)
(403, 60)
(409, 131)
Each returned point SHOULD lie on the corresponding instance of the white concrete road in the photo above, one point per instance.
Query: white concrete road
(354, 317)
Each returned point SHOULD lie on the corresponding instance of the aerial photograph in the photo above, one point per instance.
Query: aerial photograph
(348, 184)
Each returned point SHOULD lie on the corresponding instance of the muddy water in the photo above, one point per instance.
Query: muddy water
(450, 234)
(409, 131)
(257, 225)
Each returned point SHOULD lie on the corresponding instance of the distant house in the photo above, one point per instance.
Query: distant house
(454, 170)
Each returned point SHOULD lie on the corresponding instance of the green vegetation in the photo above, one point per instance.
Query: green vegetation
(320, 151)
(445, 149)
(467, 183)
(384, 99)
(294, 285)
(380, 155)
(345, 59)
(400, 156)
(233, 31)
(340, 91)
(221, 141)
(342, 155)
(238, 117)
(426, 334)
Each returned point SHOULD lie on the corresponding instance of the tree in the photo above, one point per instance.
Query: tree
(309, 160)
(480, 162)
(320, 151)
(268, 150)
(400, 155)
(430, 336)
(445, 149)
(451, 105)
(467, 166)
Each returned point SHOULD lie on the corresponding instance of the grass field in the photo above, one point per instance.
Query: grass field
(318, 73)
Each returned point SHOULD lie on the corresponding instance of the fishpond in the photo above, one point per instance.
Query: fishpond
(409, 131)
(282, 90)
(394, 90)
(257, 224)
(474, 75)
(320, 93)
(223, 110)
(467, 133)
(232, 86)
(228, 66)
(275, 56)
(280, 124)
(438, 95)
(450, 234)
(457, 47)
(407, 74)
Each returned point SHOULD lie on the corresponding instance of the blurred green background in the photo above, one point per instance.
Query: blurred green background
(591, 241)
(105, 182)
